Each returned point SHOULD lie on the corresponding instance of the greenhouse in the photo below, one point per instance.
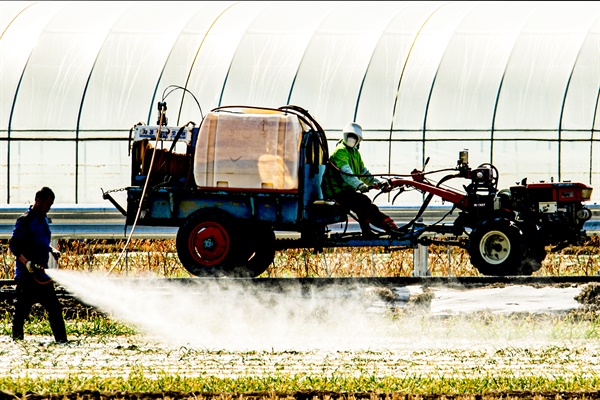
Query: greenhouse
(515, 83)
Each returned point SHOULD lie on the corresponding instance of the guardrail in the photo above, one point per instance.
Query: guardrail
(105, 222)
(84, 222)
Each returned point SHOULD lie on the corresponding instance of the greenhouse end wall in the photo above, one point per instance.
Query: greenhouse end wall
(516, 83)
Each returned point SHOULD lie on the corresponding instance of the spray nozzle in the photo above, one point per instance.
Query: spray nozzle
(162, 116)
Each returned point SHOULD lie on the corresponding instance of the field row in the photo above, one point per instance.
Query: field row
(38, 357)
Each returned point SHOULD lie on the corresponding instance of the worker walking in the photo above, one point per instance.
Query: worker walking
(346, 180)
(30, 243)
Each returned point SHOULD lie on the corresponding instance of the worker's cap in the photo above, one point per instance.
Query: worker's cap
(352, 128)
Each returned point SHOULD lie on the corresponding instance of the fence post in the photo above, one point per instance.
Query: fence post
(420, 256)
(51, 261)
(421, 260)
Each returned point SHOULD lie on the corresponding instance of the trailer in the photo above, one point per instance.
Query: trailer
(246, 172)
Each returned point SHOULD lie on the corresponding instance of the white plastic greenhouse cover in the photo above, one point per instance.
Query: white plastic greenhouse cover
(517, 83)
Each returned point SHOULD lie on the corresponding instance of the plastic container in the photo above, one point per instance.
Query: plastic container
(248, 151)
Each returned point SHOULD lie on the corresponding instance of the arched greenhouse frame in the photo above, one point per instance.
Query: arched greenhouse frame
(516, 83)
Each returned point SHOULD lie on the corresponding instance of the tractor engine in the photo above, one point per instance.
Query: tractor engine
(555, 210)
(481, 193)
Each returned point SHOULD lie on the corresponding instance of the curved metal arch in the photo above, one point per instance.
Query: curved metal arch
(500, 85)
(9, 129)
(592, 133)
(362, 83)
(80, 111)
(162, 71)
(187, 80)
(400, 79)
(12, 111)
(289, 98)
(562, 107)
(15, 18)
(12, 107)
(231, 62)
(433, 85)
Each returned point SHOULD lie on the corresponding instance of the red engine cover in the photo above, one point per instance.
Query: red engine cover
(564, 191)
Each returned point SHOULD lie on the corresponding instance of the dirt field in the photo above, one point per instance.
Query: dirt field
(482, 345)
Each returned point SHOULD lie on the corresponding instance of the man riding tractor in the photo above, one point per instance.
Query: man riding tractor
(346, 180)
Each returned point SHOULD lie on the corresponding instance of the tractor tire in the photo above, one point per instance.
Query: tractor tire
(206, 243)
(497, 247)
(257, 251)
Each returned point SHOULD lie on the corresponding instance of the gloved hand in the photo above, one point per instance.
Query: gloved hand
(362, 188)
(55, 253)
(384, 186)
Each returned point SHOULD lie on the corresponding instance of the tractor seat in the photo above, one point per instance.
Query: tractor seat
(326, 211)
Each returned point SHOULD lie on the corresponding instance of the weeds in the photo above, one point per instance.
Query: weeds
(158, 258)
(137, 382)
(97, 326)
(563, 365)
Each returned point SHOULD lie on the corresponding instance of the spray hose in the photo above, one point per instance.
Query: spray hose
(389, 175)
(162, 107)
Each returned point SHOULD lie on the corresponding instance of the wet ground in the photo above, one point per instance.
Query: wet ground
(435, 300)
(508, 330)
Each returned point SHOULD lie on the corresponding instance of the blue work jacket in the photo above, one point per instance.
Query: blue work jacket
(31, 237)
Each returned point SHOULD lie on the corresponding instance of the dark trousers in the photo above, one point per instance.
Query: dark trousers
(30, 292)
(361, 204)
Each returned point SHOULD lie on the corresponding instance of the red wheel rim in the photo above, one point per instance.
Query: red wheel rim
(209, 243)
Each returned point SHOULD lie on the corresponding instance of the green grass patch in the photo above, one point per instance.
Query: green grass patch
(94, 326)
(136, 382)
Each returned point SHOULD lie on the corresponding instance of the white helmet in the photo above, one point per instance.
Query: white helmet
(355, 129)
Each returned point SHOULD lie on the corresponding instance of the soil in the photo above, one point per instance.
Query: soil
(73, 309)
(590, 296)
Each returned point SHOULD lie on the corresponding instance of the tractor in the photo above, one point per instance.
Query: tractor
(245, 173)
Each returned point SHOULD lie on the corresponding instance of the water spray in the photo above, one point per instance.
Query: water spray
(235, 315)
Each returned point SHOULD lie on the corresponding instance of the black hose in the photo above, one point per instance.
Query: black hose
(390, 175)
(426, 202)
(176, 87)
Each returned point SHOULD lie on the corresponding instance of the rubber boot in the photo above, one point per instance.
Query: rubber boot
(388, 225)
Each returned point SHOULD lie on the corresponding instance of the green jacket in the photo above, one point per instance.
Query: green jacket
(348, 160)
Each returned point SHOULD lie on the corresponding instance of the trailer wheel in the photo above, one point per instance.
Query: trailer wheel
(257, 251)
(497, 247)
(206, 243)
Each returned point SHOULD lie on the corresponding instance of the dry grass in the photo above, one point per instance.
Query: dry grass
(159, 258)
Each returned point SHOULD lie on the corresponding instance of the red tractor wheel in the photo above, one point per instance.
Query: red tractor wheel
(209, 243)
(206, 243)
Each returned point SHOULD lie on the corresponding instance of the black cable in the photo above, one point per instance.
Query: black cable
(426, 203)
(390, 175)
(176, 87)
